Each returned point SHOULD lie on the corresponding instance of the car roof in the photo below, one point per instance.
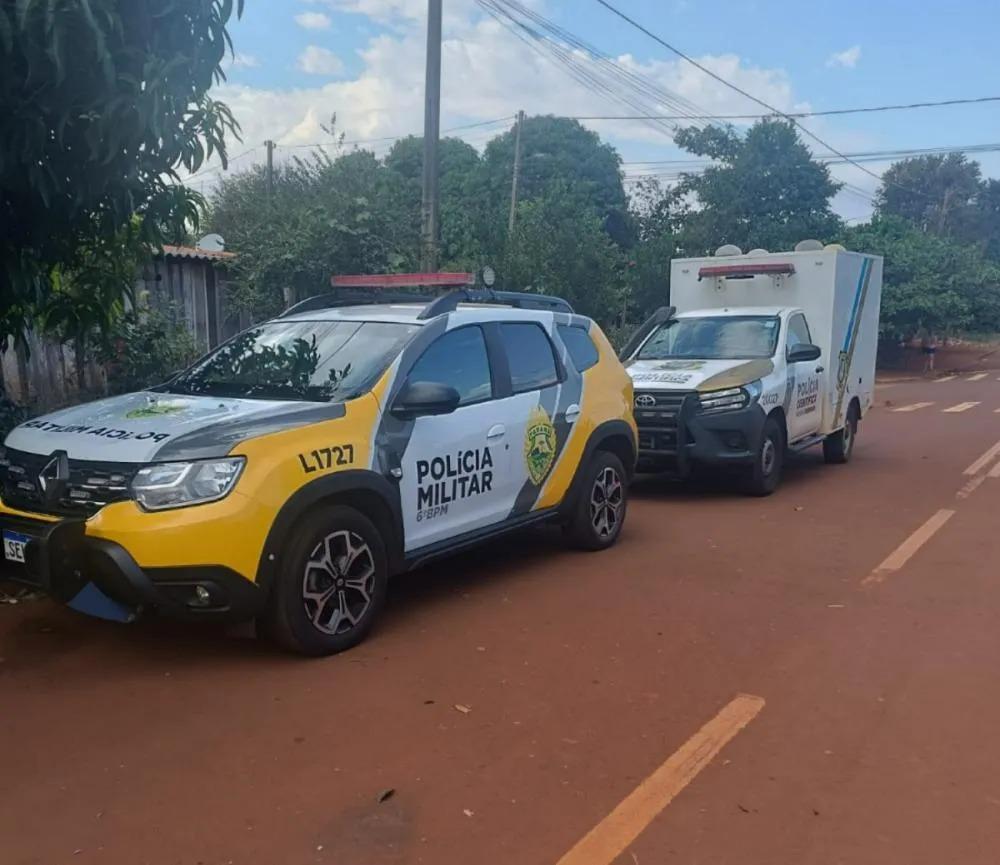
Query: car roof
(735, 311)
(408, 313)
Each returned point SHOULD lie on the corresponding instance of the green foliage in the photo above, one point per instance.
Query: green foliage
(930, 283)
(146, 348)
(102, 102)
(936, 193)
(326, 216)
(557, 250)
(766, 191)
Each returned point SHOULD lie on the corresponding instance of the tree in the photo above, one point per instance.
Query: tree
(557, 249)
(556, 152)
(930, 283)
(460, 164)
(937, 193)
(766, 190)
(656, 223)
(326, 215)
(103, 101)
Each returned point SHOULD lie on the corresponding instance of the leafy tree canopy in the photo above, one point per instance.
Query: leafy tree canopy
(766, 190)
(930, 283)
(103, 101)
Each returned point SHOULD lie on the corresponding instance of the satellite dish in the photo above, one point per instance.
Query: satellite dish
(728, 250)
(834, 247)
(212, 243)
(809, 246)
(758, 252)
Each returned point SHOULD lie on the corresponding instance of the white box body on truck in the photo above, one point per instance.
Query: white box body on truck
(760, 354)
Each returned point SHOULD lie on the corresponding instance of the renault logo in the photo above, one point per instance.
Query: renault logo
(645, 400)
(54, 477)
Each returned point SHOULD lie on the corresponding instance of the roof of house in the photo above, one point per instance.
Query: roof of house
(196, 254)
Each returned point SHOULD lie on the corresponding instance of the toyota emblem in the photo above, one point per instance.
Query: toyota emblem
(645, 400)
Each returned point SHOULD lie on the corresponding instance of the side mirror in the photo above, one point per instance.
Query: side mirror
(803, 352)
(419, 398)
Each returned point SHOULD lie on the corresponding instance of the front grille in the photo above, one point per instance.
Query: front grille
(657, 415)
(92, 485)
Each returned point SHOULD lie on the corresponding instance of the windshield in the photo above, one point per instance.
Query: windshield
(728, 337)
(299, 360)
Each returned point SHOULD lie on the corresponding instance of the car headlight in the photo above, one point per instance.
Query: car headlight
(730, 398)
(178, 485)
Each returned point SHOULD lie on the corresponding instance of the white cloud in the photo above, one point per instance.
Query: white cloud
(320, 61)
(244, 61)
(846, 59)
(488, 73)
(313, 20)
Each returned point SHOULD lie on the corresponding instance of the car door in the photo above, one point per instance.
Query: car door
(543, 405)
(805, 411)
(453, 465)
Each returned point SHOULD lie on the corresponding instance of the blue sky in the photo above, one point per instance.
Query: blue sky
(300, 61)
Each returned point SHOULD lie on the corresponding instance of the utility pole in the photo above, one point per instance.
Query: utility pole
(430, 229)
(270, 168)
(517, 172)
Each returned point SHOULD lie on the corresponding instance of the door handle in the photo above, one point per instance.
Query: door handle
(819, 369)
(497, 431)
(572, 413)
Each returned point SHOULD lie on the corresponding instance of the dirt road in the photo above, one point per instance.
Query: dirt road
(808, 679)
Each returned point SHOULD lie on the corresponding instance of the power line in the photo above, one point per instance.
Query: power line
(798, 114)
(743, 92)
(588, 65)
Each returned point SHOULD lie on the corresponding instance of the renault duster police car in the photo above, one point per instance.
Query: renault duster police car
(289, 473)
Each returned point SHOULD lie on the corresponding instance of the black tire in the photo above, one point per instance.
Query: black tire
(838, 446)
(599, 512)
(764, 475)
(346, 583)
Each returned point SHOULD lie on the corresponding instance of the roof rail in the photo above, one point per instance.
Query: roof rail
(520, 299)
(360, 297)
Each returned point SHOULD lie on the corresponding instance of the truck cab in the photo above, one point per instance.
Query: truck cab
(763, 354)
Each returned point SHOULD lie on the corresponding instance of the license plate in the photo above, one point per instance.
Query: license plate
(13, 546)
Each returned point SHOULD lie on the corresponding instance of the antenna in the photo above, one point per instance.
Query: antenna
(212, 243)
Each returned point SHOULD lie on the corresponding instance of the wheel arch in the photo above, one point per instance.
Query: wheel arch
(365, 491)
(615, 437)
(778, 414)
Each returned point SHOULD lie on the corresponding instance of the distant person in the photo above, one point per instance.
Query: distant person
(929, 348)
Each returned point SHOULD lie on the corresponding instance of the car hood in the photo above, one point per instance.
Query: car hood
(146, 427)
(702, 375)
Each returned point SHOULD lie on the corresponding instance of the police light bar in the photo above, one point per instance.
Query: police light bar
(733, 271)
(402, 280)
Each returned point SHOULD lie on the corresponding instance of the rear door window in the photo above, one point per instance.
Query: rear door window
(580, 346)
(530, 356)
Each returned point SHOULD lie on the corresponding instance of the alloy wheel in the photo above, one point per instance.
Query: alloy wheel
(607, 499)
(338, 582)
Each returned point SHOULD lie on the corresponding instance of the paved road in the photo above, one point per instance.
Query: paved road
(805, 679)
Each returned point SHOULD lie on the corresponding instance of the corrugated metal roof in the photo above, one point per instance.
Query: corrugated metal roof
(192, 252)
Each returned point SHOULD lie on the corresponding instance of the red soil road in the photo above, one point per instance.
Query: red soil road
(584, 673)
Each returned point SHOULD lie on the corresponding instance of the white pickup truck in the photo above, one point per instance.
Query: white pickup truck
(760, 354)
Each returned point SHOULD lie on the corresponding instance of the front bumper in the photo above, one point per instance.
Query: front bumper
(726, 438)
(84, 572)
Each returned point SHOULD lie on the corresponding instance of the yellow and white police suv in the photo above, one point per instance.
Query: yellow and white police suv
(289, 473)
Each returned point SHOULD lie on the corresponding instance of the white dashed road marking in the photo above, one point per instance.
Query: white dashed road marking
(979, 376)
(962, 406)
(946, 378)
(915, 406)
